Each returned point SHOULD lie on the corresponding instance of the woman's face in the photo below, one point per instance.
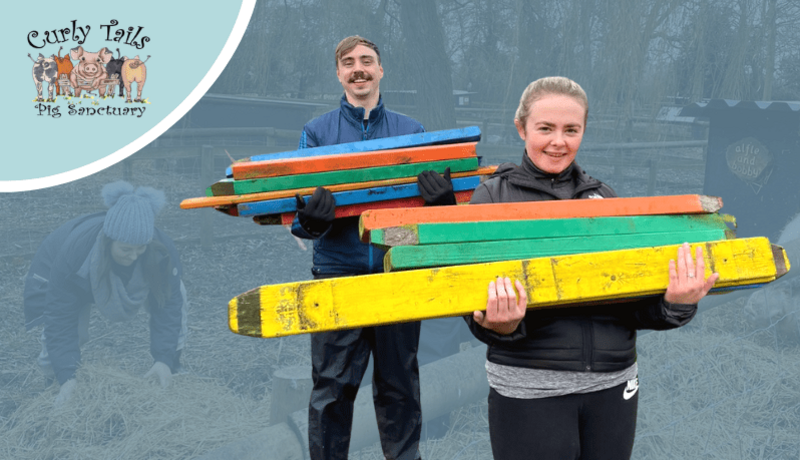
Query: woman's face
(126, 254)
(553, 132)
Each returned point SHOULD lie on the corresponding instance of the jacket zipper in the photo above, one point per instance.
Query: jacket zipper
(588, 338)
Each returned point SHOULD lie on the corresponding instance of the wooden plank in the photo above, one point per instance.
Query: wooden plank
(353, 210)
(608, 207)
(241, 187)
(464, 232)
(293, 166)
(359, 301)
(232, 200)
(442, 255)
(447, 136)
(351, 197)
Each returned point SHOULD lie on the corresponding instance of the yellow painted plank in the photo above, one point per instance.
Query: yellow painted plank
(342, 303)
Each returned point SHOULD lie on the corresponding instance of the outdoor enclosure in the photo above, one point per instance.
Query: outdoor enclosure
(720, 388)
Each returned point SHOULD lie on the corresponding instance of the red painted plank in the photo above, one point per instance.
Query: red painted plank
(307, 165)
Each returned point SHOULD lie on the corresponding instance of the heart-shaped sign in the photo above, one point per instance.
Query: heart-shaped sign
(87, 87)
(748, 158)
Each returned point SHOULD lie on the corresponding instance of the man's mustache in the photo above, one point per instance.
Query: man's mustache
(359, 75)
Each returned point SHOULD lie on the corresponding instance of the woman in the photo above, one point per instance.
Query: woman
(120, 263)
(563, 382)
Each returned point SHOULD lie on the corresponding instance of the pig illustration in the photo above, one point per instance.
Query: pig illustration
(64, 69)
(44, 70)
(134, 70)
(89, 74)
(778, 303)
(114, 69)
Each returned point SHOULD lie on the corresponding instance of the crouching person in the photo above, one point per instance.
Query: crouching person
(115, 261)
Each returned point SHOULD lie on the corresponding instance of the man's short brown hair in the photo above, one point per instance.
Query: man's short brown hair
(347, 45)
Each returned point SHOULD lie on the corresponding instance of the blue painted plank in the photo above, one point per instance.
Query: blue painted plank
(447, 136)
(350, 197)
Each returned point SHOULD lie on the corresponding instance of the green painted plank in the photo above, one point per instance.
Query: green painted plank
(241, 187)
(440, 255)
(463, 232)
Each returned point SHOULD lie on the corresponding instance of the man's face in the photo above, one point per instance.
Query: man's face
(126, 254)
(553, 132)
(360, 74)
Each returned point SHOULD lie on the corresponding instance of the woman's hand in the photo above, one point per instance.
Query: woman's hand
(686, 282)
(504, 311)
(161, 371)
(65, 393)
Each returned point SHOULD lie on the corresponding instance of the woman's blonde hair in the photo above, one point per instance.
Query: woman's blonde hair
(550, 85)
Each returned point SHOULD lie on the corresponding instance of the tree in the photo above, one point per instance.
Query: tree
(428, 63)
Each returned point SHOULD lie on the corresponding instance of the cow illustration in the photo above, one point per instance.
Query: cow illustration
(114, 70)
(44, 70)
(90, 72)
(64, 69)
(134, 70)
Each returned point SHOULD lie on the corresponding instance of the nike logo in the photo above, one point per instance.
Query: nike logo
(630, 389)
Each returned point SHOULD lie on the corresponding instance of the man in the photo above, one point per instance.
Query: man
(340, 358)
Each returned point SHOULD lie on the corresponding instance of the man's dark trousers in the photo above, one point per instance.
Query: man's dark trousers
(339, 359)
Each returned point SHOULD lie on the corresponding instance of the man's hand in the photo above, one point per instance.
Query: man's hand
(435, 189)
(316, 216)
(161, 371)
(686, 278)
(503, 311)
(65, 393)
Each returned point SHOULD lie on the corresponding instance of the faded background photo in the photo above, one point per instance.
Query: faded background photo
(686, 97)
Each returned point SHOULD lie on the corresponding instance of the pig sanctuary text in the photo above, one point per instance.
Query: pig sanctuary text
(53, 111)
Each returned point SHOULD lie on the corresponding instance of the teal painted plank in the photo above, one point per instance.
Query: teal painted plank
(241, 187)
(440, 255)
(464, 232)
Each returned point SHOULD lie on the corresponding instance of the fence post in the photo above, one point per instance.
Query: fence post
(651, 183)
(127, 169)
(618, 158)
(206, 177)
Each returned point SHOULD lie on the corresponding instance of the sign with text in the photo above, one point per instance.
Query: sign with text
(89, 89)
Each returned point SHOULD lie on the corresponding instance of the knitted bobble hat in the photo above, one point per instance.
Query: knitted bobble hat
(131, 212)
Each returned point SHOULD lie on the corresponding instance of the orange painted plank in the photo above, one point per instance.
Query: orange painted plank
(232, 200)
(558, 209)
(307, 165)
(356, 209)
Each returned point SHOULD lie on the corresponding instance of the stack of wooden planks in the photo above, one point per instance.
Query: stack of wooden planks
(510, 231)
(373, 174)
(573, 252)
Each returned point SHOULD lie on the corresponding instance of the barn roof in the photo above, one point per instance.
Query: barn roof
(702, 108)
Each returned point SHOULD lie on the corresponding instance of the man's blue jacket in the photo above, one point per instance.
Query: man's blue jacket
(339, 251)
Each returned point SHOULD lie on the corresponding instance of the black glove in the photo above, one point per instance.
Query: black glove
(316, 216)
(435, 189)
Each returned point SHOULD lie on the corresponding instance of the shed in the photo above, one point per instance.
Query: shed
(227, 111)
(753, 161)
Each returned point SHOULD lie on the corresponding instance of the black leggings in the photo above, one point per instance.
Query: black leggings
(591, 426)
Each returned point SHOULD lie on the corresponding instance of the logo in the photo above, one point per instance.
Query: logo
(630, 389)
(595, 196)
(89, 80)
(750, 161)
